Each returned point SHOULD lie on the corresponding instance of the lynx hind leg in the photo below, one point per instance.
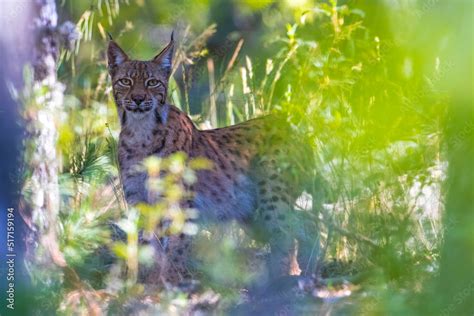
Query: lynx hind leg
(308, 243)
(275, 207)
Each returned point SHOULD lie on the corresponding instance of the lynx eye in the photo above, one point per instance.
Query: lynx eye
(153, 83)
(125, 82)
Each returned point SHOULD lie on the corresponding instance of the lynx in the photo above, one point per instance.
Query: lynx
(246, 184)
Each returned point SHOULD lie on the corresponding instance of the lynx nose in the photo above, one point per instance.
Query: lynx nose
(138, 99)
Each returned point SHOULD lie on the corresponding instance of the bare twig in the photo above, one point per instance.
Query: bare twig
(330, 223)
(212, 97)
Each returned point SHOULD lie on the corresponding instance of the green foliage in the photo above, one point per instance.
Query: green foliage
(169, 179)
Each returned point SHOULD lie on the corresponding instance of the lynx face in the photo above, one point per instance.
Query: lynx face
(139, 87)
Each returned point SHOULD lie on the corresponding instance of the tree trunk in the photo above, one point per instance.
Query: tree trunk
(43, 201)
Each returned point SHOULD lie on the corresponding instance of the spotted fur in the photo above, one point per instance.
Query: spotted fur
(246, 183)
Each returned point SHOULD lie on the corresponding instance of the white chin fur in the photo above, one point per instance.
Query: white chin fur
(139, 115)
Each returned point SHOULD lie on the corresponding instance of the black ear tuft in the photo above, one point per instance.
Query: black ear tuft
(165, 57)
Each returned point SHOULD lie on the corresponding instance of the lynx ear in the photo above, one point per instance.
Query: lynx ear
(165, 57)
(115, 55)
